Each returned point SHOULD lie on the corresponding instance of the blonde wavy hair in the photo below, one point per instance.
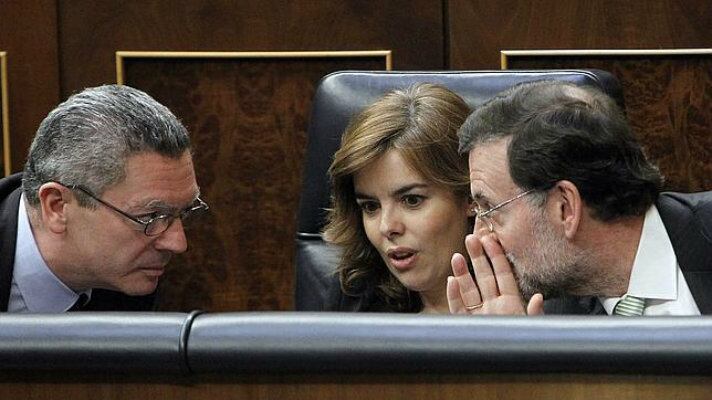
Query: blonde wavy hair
(421, 122)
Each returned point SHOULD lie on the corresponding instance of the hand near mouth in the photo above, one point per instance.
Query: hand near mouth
(495, 290)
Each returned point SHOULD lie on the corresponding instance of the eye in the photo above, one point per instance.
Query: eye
(413, 200)
(480, 208)
(146, 218)
(368, 207)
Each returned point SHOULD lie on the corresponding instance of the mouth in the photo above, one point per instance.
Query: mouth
(402, 258)
(153, 271)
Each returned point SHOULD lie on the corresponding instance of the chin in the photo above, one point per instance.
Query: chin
(416, 286)
(140, 289)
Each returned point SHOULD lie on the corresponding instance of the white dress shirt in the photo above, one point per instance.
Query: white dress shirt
(656, 275)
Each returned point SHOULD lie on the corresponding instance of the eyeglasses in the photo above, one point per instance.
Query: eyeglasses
(155, 223)
(486, 216)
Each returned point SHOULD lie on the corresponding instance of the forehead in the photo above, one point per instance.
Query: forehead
(489, 170)
(153, 177)
(388, 172)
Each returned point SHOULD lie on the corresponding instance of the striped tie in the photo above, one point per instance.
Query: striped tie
(629, 306)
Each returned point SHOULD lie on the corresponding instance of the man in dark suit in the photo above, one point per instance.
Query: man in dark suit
(100, 207)
(569, 210)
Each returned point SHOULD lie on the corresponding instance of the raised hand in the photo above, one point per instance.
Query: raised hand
(495, 290)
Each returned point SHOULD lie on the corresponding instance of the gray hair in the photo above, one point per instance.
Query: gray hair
(88, 139)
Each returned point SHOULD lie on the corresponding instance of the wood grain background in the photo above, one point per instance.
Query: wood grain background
(248, 118)
(248, 121)
(360, 387)
(669, 105)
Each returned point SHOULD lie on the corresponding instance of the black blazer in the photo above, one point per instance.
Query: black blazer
(688, 220)
(101, 300)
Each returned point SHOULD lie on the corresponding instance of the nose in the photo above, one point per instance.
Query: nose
(391, 223)
(173, 239)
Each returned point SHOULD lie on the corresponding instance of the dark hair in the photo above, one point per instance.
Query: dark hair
(560, 131)
(87, 139)
(421, 122)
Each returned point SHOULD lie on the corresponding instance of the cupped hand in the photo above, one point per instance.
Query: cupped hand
(494, 289)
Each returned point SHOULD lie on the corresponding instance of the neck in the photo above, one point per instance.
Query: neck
(614, 246)
(435, 301)
(55, 253)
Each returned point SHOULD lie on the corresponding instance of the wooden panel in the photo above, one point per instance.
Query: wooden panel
(668, 100)
(479, 29)
(4, 125)
(359, 387)
(28, 33)
(248, 120)
(92, 31)
(244, 261)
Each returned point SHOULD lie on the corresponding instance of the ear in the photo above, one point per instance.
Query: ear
(567, 207)
(53, 199)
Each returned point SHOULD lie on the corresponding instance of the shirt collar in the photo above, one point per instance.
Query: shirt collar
(654, 272)
(40, 288)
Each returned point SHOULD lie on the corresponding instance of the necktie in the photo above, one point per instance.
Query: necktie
(629, 306)
(80, 303)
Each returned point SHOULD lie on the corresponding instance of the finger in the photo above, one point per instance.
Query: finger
(469, 293)
(503, 274)
(454, 299)
(536, 305)
(483, 271)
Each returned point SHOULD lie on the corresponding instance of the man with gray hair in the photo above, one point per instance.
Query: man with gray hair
(568, 208)
(100, 208)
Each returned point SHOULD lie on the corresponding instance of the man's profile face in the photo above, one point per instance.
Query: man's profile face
(491, 184)
(112, 252)
(541, 257)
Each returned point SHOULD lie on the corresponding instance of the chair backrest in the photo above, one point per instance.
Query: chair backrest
(341, 95)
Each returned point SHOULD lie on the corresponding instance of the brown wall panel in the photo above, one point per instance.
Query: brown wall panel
(248, 120)
(669, 105)
(363, 386)
(28, 33)
(479, 29)
(92, 31)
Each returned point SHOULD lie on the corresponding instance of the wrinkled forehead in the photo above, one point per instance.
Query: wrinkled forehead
(151, 177)
(489, 170)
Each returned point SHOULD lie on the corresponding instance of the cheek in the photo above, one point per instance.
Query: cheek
(516, 238)
(448, 229)
(370, 227)
(124, 245)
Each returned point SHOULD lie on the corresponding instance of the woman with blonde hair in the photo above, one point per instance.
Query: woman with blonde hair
(400, 201)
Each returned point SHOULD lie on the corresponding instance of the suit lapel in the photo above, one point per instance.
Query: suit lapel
(571, 305)
(8, 237)
(686, 225)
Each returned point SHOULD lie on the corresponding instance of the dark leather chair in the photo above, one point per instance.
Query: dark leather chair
(341, 95)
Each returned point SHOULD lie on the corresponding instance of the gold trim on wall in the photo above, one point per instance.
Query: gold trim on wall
(121, 55)
(506, 54)
(4, 114)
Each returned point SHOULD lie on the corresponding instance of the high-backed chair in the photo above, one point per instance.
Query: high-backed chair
(341, 95)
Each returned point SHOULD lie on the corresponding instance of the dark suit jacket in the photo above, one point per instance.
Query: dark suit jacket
(101, 300)
(688, 221)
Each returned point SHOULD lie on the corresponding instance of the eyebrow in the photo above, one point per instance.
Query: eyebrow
(162, 205)
(479, 196)
(397, 192)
